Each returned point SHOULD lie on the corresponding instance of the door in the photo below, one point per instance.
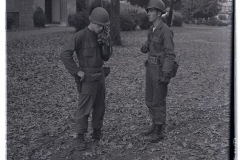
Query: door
(48, 11)
(55, 11)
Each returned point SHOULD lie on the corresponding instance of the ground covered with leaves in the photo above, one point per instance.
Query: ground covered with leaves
(42, 99)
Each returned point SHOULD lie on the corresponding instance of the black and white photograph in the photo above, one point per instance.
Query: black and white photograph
(120, 80)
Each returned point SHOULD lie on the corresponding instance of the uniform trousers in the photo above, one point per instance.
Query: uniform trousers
(156, 93)
(91, 98)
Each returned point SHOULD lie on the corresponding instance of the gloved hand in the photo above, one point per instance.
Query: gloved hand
(165, 78)
(106, 71)
(81, 74)
(104, 36)
(144, 48)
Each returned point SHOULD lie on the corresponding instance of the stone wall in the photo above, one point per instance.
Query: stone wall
(22, 10)
(71, 6)
(39, 3)
(63, 13)
(25, 13)
(12, 6)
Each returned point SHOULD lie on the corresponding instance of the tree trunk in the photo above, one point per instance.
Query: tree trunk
(170, 14)
(115, 22)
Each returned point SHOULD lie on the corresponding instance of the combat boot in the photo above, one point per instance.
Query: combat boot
(97, 134)
(81, 142)
(149, 131)
(157, 134)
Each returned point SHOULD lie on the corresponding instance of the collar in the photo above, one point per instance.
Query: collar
(159, 26)
(89, 30)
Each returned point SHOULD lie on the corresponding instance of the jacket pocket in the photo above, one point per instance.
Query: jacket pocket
(89, 49)
(157, 43)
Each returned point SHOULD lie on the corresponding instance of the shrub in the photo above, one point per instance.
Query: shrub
(127, 22)
(9, 22)
(177, 19)
(131, 10)
(39, 18)
(222, 16)
(142, 21)
(215, 22)
(78, 20)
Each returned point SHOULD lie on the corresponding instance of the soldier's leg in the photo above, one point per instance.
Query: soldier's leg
(159, 103)
(82, 113)
(98, 111)
(159, 114)
(86, 101)
(149, 98)
(81, 119)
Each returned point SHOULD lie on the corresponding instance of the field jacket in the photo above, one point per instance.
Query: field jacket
(160, 44)
(89, 53)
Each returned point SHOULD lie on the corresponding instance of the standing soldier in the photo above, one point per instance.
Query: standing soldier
(161, 57)
(92, 47)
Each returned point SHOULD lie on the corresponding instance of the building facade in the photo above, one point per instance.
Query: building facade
(226, 7)
(56, 11)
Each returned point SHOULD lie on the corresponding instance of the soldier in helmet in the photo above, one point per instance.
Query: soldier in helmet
(161, 57)
(92, 47)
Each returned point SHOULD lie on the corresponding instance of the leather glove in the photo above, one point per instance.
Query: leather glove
(165, 78)
(144, 48)
(81, 75)
(104, 36)
(106, 71)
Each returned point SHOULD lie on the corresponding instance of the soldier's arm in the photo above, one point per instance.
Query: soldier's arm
(145, 46)
(106, 50)
(169, 51)
(66, 55)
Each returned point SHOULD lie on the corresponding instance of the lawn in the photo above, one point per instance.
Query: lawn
(42, 99)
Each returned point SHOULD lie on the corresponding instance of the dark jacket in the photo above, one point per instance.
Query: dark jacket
(160, 43)
(89, 53)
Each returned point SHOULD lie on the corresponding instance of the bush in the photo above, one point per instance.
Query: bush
(9, 23)
(215, 22)
(127, 22)
(79, 21)
(131, 10)
(222, 16)
(177, 19)
(39, 18)
(143, 21)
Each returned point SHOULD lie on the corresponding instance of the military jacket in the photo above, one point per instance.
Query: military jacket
(160, 44)
(89, 52)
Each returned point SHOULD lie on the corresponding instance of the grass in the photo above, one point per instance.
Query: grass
(42, 99)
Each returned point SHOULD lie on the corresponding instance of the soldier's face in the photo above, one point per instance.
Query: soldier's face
(153, 15)
(97, 28)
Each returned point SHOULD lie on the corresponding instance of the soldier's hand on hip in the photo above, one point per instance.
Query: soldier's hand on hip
(81, 74)
(144, 48)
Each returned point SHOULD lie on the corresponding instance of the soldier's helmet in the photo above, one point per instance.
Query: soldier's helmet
(99, 16)
(156, 4)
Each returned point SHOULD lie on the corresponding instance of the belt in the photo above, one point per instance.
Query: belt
(91, 70)
(92, 74)
(93, 77)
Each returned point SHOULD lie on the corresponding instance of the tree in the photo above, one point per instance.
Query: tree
(201, 9)
(115, 22)
(206, 8)
(144, 3)
(172, 4)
